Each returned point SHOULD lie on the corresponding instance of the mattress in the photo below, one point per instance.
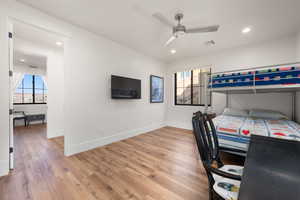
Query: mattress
(234, 132)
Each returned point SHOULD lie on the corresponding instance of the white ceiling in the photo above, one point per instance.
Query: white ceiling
(130, 22)
(33, 44)
(31, 60)
(36, 35)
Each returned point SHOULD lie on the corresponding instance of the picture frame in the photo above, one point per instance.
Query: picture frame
(156, 89)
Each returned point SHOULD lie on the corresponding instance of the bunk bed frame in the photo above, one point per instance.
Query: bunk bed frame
(254, 86)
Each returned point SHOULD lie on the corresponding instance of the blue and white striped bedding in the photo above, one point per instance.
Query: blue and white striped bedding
(235, 132)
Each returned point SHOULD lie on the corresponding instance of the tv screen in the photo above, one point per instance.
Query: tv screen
(125, 88)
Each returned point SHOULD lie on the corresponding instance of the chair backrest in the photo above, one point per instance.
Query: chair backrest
(203, 146)
(206, 137)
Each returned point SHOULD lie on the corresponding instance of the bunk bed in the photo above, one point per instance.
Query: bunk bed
(234, 131)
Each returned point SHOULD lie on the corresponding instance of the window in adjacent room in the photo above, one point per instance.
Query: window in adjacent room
(189, 87)
(31, 90)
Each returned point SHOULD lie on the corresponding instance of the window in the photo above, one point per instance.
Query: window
(189, 87)
(32, 90)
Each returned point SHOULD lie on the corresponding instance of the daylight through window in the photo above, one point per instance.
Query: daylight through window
(31, 90)
(189, 87)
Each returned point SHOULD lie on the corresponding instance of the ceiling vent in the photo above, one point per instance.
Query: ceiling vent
(210, 43)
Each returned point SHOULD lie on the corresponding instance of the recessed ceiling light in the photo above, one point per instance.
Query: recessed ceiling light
(246, 30)
(173, 51)
(22, 60)
(59, 43)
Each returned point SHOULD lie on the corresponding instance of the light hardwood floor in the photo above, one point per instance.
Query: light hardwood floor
(161, 164)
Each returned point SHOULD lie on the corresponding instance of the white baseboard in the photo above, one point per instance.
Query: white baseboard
(85, 146)
(182, 125)
(4, 167)
(54, 134)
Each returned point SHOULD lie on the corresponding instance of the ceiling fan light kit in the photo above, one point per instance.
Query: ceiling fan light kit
(180, 30)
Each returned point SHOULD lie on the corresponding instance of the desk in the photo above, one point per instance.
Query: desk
(272, 170)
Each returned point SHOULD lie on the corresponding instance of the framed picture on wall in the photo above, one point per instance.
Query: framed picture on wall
(156, 89)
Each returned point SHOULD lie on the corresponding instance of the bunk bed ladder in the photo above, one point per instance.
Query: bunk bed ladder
(227, 100)
(294, 96)
(254, 82)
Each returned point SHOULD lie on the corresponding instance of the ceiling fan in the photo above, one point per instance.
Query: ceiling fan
(179, 29)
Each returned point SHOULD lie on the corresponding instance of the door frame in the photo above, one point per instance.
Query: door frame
(11, 93)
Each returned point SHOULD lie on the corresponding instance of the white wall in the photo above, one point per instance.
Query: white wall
(26, 69)
(91, 117)
(55, 101)
(271, 101)
(268, 53)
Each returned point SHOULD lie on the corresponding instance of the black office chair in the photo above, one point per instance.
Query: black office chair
(224, 180)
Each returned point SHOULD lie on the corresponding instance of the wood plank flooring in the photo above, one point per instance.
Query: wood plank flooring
(159, 165)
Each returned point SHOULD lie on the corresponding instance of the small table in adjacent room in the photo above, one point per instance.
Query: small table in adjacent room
(271, 170)
(34, 117)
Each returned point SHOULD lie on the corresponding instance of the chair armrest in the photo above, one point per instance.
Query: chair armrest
(225, 174)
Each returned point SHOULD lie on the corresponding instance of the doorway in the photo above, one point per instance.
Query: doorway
(36, 86)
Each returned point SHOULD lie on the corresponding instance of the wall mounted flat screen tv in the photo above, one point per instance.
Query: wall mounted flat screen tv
(125, 88)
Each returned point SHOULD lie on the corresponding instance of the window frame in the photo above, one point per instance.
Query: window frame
(191, 104)
(33, 92)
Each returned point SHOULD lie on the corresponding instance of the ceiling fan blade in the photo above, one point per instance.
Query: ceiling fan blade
(170, 40)
(163, 19)
(203, 29)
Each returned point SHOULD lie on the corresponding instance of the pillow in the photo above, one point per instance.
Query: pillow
(266, 114)
(235, 112)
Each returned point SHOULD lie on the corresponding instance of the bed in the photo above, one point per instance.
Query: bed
(234, 131)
